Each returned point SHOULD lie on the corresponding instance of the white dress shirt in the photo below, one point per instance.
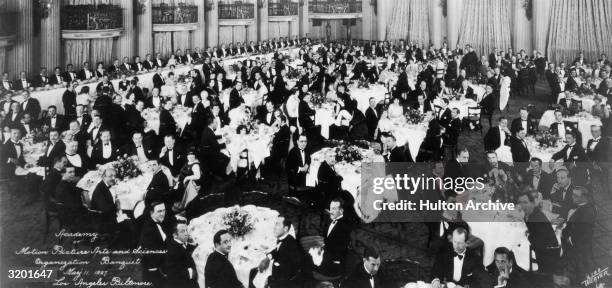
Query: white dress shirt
(458, 266)
(107, 150)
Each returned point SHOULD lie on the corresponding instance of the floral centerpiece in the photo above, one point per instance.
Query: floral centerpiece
(363, 82)
(413, 116)
(37, 135)
(239, 221)
(547, 139)
(126, 167)
(348, 153)
(294, 74)
(318, 99)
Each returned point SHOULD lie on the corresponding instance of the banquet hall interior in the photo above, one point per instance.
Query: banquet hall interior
(227, 143)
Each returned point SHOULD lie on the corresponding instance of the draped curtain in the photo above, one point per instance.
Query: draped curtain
(76, 52)
(579, 25)
(181, 40)
(409, 21)
(232, 34)
(278, 29)
(101, 51)
(162, 43)
(486, 25)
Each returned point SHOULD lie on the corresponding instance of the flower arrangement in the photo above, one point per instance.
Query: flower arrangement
(363, 82)
(317, 99)
(348, 153)
(37, 135)
(294, 74)
(546, 139)
(239, 221)
(413, 116)
(127, 167)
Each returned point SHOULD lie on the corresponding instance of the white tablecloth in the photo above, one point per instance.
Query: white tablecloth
(413, 134)
(363, 95)
(462, 105)
(246, 251)
(587, 101)
(584, 123)
(351, 181)
(257, 144)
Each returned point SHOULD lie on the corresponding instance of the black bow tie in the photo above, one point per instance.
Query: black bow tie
(106, 145)
(596, 141)
(455, 254)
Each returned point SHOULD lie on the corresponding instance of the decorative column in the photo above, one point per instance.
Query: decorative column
(522, 34)
(126, 40)
(199, 35)
(20, 56)
(51, 38)
(251, 30)
(366, 19)
(212, 24)
(145, 29)
(262, 20)
(435, 22)
(381, 17)
(541, 18)
(454, 11)
(303, 18)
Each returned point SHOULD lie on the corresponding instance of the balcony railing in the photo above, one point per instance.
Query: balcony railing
(8, 23)
(237, 11)
(175, 14)
(90, 17)
(336, 7)
(282, 9)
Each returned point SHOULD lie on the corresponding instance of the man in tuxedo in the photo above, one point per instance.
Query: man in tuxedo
(577, 236)
(397, 153)
(159, 187)
(537, 178)
(55, 147)
(69, 99)
(268, 117)
(12, 153)
(456, 262)
(148, 64)
(560, 127)
(298, 163)
(102, 200)
(153, 237)
(180, 267)
(171, 156)
(219, 272)
(574, 157)
(104, 150)
(115, 69)
(570, 83)
(497, 136)
(136, 147)
(366, 274)
(69, 75)
(286, 256)
(525, 122)
(540, 234)
(30, 105)
(159, 62)
(211, 150)
(504, 272)
(561, 193)
(82, 118)
(444, 114)
(27, 124)
(336, 240)
(42, 79)
(372, 117)
(57, 79)
(518, 147)
(451, 133)
(126, 67)
(85, 73)
(69, 195)
(53, 177)
(597, 147)
(54, 120)
(570, 106)
(329, 182)
(23, 83)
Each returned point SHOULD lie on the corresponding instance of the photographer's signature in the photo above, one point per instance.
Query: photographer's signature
(595, 276)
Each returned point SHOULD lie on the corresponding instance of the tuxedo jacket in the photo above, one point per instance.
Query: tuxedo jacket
(159, 190)
(178, 261)
(400, 154)
(19, 85)
(286, 260)
(97, 157)
(32, 108)
(220, 273)
(294, 161)
(158, 81)
(562, 205)
(328, 181)
(541, 233)
(576, 154)
(579, 228)
(151, 239)
(492, 139)
(9, 151)
(519, 150)
(58, 149)
(569, 127)
(81, 75)
(178, 159)
(518, 277)
(56, 80)
(304, 115)
(336, 242)
(40, 81)
(61, 123)
(444, 117)
(70, 77)
(359, 278)
(149, 65)
(532, 127)
(372, 118)
(599, 152)
(544, 184)
(443, 266)
(102, 200)
(129, 149)
(85, 164)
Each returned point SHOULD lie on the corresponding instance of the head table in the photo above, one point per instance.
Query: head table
(53, 95)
